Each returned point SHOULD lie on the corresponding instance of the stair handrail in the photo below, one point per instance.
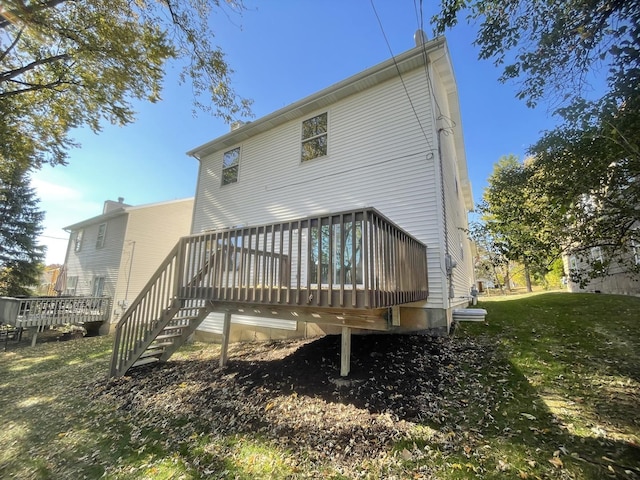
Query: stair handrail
(135, 325)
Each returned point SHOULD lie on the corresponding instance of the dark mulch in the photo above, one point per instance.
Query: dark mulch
(291, 392)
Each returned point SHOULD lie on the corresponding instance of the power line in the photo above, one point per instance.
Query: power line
(406, 91)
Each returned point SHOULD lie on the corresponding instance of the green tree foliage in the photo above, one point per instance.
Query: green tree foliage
(552, 48)
(66, 64)
(20, 224)
(585, 176)
(516, 220)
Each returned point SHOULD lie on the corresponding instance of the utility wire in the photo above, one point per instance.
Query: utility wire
(406, 91)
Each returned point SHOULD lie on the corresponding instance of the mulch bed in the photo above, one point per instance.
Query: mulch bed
(291, 393)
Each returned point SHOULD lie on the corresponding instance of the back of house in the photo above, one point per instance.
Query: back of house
(389, 138)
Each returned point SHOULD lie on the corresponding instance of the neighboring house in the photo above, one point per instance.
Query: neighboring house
(619, 279)
(347, 209)
(115, 253)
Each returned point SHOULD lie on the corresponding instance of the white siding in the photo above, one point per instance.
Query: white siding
(458, 245)
(91, 262)
(213, 322)
(378, 156)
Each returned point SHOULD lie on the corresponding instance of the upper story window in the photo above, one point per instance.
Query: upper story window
(78, 244)
(596, 254)
(230, 162)
(314, 137)
(102, 232)
(635, 246)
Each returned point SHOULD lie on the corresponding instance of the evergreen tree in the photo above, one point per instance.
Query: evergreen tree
(20, 224)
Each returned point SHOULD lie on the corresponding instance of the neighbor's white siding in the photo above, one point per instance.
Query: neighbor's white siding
(379, 155)
(91, 262)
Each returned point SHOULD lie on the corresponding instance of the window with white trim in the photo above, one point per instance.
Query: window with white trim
(635, 246)
(314, 137)
(230, 163)
(78, 243)
(72, 283)
(596, 254)
(102, 233)
(98, 287)
(573, 263)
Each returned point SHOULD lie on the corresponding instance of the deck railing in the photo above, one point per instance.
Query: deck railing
(44, 311)
(355, 259)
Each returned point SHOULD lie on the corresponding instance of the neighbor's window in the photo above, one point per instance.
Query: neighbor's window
(230, 162)
(314, 137)
(573, 263)
(102, 232)
(635, 245)
(98, 287)
(72, 283)
(596, 254)
(78, 244)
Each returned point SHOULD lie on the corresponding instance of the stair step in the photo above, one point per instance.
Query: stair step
(159, 345)
(145, 361)
(174, 327)
(151, 353)
(183, 317)
(168, 335)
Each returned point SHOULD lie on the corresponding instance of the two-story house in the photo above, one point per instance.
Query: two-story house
(347, 209)
(115, 253)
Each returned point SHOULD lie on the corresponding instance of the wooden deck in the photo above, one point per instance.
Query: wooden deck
(349, 268)
(39, 312)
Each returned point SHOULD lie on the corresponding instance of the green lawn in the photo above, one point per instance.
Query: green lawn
(549, 387)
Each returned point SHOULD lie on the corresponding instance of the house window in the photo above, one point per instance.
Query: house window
(314, 137)
(635, 247)
(98, 287)
(72, 283)
(78, 244)
(573, 263)
(102, 231)
(230, 161)
(596, 254)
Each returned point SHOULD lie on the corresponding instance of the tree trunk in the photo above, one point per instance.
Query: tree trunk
(527, 277)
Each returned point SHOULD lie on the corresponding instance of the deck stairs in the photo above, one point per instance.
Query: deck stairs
(174, 328)
(348, 267)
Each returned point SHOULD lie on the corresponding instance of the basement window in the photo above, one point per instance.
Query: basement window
(314, 137)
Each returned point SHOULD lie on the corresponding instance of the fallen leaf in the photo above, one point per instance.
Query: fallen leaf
(556, 462)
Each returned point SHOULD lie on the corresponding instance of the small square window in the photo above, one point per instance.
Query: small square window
(314, 137)
(230, 162)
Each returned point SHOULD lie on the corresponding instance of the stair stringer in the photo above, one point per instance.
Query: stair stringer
(150, 336)
(187, 330)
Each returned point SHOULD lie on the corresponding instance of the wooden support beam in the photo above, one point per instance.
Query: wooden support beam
(226, 329)
(345, 355)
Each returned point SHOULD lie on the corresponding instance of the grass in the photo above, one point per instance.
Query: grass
(558, 397)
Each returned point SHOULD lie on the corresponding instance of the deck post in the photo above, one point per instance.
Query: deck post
(345, 355)
(226, 329)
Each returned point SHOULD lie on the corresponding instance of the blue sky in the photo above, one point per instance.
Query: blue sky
(281, 51)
